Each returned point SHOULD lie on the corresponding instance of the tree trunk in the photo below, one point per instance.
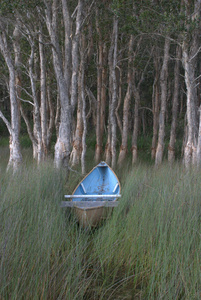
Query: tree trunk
(127, 99)
(101, 91)
(82, 96)
(155, 108)
(135, 126)
(63, 143)
(120, 84)
(190, 146)
(15, 158)
(43, 94)
(113, 122)
(75, 55)
(108, 155)
(110, 148)
(57, 115)
(77, 141)
(18, 77)
(99, 141)
(163, 85)
(175, 103)
(190, 49)
(39, 153)
(51, 117)
(68, 45)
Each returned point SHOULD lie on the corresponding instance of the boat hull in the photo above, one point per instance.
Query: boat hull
(90, 217)
(95, 196)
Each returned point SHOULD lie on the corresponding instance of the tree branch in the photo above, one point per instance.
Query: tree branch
(6, 122)
(26, 101)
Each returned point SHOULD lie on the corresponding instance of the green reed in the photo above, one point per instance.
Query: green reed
(148, 249)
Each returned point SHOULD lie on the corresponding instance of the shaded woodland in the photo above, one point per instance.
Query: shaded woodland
(117, 70)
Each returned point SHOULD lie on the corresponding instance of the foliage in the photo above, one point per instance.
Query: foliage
(164, 17)
(10, 7)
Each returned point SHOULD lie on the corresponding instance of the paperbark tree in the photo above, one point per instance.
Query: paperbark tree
(18, 77)
(39, 133)
(155, 104)
(15, 158)
(38, 151)
(77, 139)
(67, 79)
(190, 49)
(101, 89)
(99, 137)
(163, 86)
(43, 94)
(82, 96)
(175, 104)
(126, 107)
(112, 126)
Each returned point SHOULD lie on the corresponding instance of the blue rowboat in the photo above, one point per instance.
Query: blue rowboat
(94, 194)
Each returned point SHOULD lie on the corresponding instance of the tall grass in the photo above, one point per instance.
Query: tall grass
(149, 249)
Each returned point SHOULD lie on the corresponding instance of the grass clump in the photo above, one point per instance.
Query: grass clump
(148, 249)
(41, 248)
(151, 247)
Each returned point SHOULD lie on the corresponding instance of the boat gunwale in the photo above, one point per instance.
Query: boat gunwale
(89, 174)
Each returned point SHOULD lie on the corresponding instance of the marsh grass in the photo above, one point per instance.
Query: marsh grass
(148, 249)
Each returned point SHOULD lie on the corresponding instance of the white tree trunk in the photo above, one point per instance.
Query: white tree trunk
(190, 50)
(37, 131)
(126, 107)
(15, 152)
(77, 140)
(43, 93)
(82, 95)
(163, 84)
(63, 143)
(175, 103)
(75, 55)
(191, 119)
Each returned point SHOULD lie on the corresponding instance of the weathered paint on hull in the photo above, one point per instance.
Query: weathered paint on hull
(89, 217)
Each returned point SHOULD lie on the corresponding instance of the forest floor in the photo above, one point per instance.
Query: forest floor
(148, 249)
